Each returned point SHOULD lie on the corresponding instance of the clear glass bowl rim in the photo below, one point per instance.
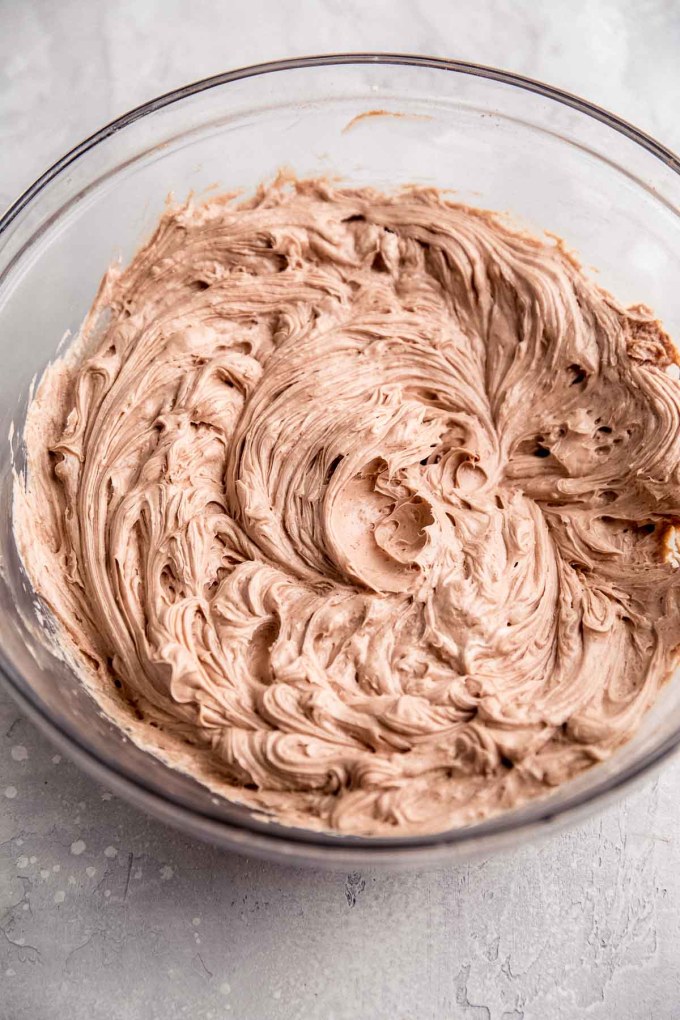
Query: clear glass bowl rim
(305, 844)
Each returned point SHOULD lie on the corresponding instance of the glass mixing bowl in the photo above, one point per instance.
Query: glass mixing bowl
(502, 142)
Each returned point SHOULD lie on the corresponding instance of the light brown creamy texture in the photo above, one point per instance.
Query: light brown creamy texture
(365, 500)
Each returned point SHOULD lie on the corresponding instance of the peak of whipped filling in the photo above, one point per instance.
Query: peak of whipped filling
(367, 500)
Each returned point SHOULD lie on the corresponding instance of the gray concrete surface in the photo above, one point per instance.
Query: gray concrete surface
(105, 915)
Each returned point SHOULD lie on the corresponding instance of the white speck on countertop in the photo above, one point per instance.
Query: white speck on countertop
(10, 792)
(78, 847)
(59, 896)
(110, 852)
(19, 752)
(166, 873)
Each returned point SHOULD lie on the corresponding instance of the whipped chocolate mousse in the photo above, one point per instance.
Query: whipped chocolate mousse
(360, 507)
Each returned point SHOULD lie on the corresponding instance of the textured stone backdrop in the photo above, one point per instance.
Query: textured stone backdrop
(105, 915)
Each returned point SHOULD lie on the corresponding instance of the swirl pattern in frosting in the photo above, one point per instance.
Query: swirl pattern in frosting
(366, 501)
